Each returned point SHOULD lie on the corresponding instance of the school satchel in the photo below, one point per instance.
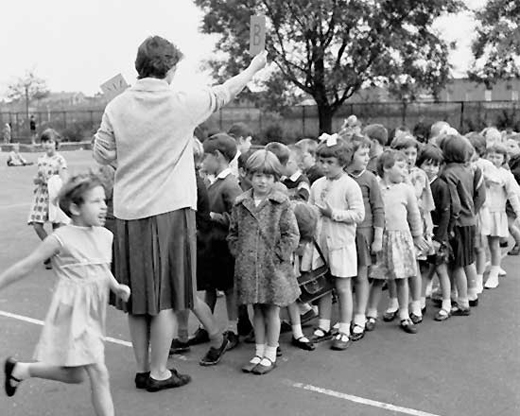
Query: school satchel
(315, 283)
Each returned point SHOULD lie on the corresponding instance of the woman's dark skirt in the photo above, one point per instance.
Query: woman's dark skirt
(156, 257)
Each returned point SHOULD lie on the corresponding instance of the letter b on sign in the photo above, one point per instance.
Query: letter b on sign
(257, 35)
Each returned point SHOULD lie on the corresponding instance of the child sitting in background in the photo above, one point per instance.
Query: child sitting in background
(15, 158)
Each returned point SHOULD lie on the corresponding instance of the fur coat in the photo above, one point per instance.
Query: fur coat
(263, 239)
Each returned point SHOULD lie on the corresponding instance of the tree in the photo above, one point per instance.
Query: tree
(28, 88)
(330, 49)
(496, 48)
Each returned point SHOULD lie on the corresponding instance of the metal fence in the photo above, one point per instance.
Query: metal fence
(295, 122)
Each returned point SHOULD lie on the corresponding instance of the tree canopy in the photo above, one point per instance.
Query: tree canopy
(27, 88)
(330, 49)
(496, 48)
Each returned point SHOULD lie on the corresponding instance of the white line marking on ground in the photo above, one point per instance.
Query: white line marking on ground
(308, 387)
(361, 400)
(38, 322)
(25, 204)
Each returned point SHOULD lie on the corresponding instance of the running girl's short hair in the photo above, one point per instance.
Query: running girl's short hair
(498, 148)
(388, 159)
(430, 153)
(155, 57)
(73, 191)
(49, 135)
(266, 162)
(280, 150)
(478, 142)
(456, 149)
(308, 146)
(341, 151)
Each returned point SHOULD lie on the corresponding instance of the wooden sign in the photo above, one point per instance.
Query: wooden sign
(257, 35)
(114, 86)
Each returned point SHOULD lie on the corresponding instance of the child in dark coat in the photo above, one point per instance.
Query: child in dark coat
(217, 261)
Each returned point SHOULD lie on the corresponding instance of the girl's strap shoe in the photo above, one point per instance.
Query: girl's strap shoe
(11, 383)
(320, 335)
(265, 366)
(250, 366)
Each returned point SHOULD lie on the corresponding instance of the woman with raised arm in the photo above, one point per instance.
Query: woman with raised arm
(148, 131)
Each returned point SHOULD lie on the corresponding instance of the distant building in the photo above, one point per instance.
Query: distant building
(465, 90)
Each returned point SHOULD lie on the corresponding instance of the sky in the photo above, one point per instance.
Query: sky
(76, 45)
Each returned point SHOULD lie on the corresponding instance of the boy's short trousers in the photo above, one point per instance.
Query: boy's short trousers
(463, 243)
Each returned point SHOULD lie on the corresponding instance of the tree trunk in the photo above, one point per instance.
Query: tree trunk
(325, 114)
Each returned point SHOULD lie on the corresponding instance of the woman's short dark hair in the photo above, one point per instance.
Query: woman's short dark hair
(155, 57)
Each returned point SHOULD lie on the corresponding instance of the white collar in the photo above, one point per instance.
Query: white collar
(295, 176)
(224, 174)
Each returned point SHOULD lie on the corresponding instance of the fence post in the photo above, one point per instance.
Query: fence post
(64, 120)
(91, 113)
(461, 116)
(303, 121)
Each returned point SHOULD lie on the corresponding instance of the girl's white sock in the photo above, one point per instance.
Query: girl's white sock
(359, 319)
(324, 324)
(304, 308)
(372, 312)
(260, 350)
(393, 305)
(233, 326)
(344, 328)
(423, 302)
(297, 331)
(21, 371)
(446, 304)
(403, 313)
(472, 293)
(270, 353)
(416, 307)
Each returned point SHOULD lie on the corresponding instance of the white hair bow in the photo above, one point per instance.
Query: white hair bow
(330, 139)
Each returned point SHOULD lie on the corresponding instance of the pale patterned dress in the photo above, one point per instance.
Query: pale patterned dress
(47, 167)
(74, 329)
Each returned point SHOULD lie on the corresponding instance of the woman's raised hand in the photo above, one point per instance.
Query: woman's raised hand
(259, 61)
